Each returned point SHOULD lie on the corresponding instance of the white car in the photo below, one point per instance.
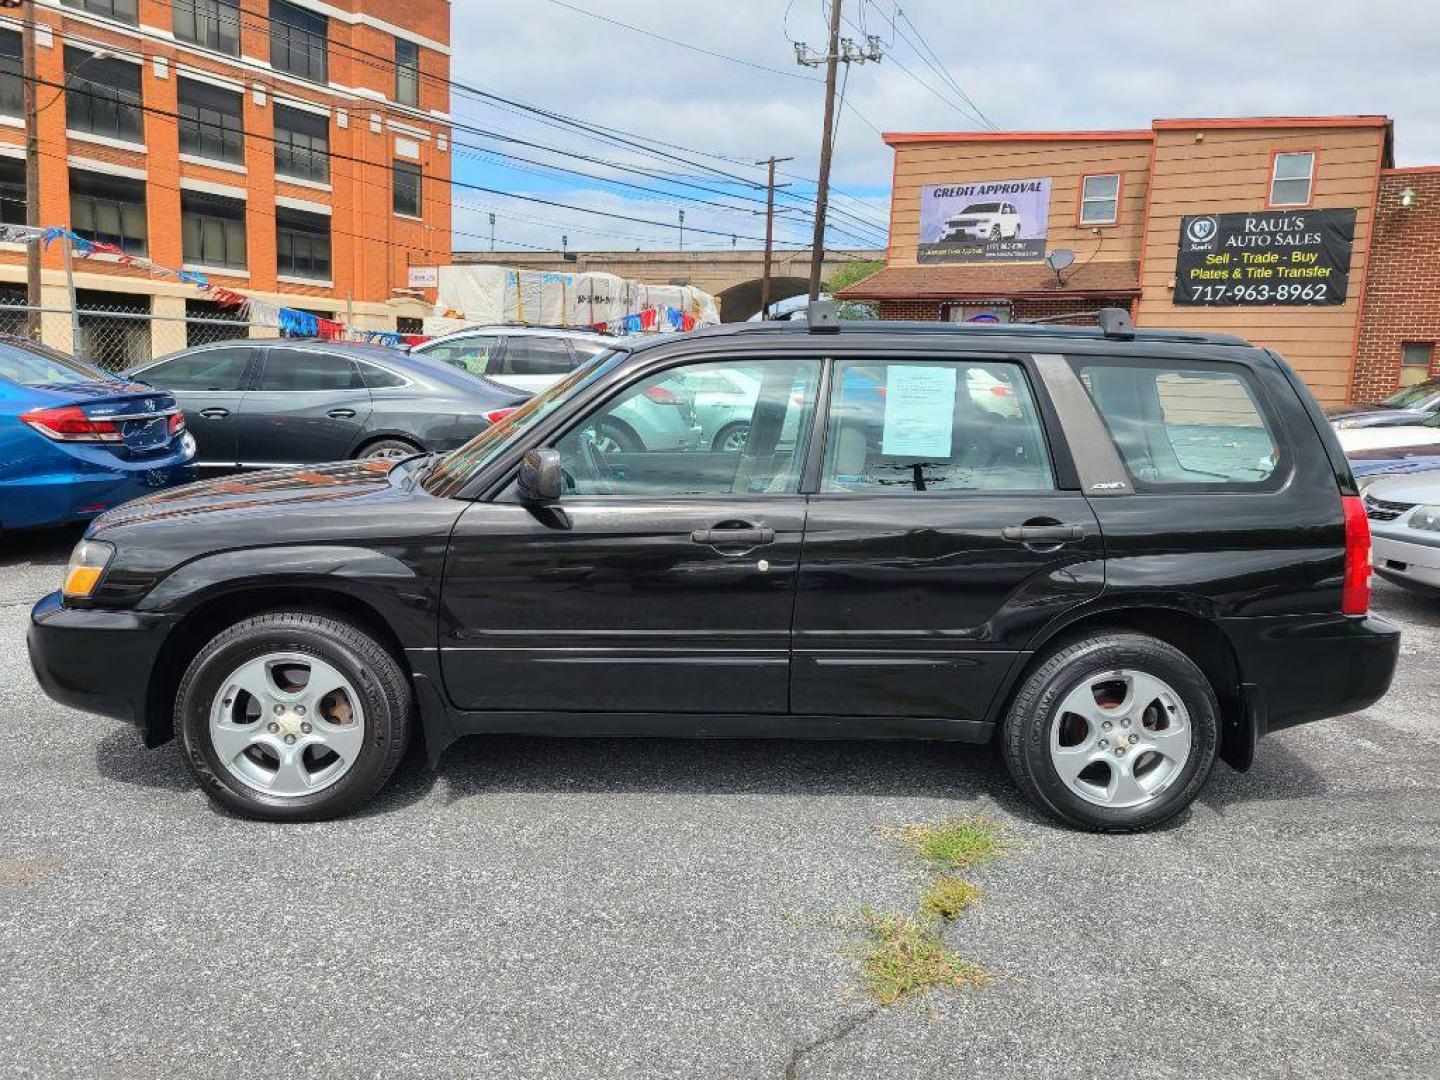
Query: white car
(527, 358)
(984, 221)
(1384, 438)
(1404, 514)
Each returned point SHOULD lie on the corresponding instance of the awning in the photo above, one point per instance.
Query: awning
(991, 282)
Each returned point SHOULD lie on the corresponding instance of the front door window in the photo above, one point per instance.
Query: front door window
(729, 428)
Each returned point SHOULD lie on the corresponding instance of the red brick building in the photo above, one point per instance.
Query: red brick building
(297, 151)
(1348, 288)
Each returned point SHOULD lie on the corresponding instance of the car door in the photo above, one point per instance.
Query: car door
(308, 406)
(209, 385)
(662, 583)
(939, 538)
(531, 362)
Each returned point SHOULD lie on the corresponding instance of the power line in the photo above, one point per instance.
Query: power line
(938, 66)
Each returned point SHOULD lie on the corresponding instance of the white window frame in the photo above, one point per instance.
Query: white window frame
(1085, 219)
(1309, 177)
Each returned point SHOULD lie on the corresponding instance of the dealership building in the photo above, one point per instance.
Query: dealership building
(1295, 232)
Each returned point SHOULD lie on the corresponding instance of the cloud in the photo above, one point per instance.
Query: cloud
(1042, 64)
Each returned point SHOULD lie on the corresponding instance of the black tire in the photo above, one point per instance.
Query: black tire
(388, 448)
(1025, 738)
(717, 444)
(370, 668)
(622, 436)
(995, 234)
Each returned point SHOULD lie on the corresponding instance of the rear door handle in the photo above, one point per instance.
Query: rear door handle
(341, 414)
(748, 537)
(215, 413)
(1043, 534)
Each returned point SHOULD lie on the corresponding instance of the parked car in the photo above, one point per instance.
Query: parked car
(1422, 434)
(1408, 406)
(259, 404)
(1404, 514)
(984, 221)
(522, 357)
(1371, 465)
(1077, 582)
(76, 440)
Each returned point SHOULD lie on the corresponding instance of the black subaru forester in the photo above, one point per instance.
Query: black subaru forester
(1119, 554)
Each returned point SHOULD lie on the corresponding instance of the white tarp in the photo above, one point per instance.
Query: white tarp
(473, 294)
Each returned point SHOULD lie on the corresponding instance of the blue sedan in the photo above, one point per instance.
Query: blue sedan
(76, 441)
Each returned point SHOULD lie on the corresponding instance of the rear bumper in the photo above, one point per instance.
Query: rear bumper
(1312, 667)
(75, 489)
(96, 661)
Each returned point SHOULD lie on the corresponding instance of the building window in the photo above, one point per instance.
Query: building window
(1416, 359)
(114, 328)
(212, 121)
(207, 322)
(407, 72)
(297, 41)
(124, 10)
(102, 97)
(12, 191)
(212, 229)
(407, 188)
(302, 244)
(1100, 199)
(302, 144)
(12, 83)
(1291, 178)
(110, 209)
(215, 24)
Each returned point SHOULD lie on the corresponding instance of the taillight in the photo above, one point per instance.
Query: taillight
(661, 396)
(500, 414)
(1355, 593)
(177, 424)
(70, 424)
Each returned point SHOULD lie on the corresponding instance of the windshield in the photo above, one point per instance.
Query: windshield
(456, 470)
(30, 366)
(982, 208)
(1412, 396)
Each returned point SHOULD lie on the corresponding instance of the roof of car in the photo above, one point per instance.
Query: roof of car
(858, 327)
(522, 331)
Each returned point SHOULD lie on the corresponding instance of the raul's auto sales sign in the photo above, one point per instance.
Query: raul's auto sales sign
(1289, 258)
(984, 221)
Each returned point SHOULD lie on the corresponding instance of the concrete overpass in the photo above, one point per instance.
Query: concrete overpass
(733, 277)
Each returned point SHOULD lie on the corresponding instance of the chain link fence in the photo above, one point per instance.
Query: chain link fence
(122, 332)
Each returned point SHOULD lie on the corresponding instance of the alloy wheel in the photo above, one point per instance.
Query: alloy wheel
(1120, 738)
(287, 724)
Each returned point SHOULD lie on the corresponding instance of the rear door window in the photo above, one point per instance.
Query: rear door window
(907, 426)
(302, 371)
(536, 356)
(1184, 425)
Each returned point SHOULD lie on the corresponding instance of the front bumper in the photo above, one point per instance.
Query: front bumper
(1404, 562)
(1312, 667)
(98, 661)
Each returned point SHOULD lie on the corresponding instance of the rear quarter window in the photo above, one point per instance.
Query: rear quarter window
(1183, 425)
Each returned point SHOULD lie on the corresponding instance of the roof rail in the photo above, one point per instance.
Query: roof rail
(822, 317)
(1116, 324)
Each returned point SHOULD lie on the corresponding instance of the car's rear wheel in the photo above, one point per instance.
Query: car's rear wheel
(292, 716)
(387, 450)
(1113, 733)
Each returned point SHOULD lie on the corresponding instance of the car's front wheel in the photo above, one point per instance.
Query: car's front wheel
(1113, 733)
(387, 450)
(293, 716)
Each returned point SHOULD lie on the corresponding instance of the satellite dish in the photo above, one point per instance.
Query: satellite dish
(1059, 259)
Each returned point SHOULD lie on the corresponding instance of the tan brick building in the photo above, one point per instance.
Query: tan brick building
(294, 150)
(1303, 190)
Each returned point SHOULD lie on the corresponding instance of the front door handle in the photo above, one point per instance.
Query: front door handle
(747, 536)
(1043, 534)
(215, 413)
(341, 414)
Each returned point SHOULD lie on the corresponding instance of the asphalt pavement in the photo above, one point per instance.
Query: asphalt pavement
(637, 908)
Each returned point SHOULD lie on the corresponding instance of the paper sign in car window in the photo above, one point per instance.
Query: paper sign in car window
(919, 411)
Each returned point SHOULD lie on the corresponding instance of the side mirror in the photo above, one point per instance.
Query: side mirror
(540, 477)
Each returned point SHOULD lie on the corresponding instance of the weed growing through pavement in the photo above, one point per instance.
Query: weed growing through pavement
(903, 956)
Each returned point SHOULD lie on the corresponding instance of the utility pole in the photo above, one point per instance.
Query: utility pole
(29, 75)
(837, 50)
(769, 235)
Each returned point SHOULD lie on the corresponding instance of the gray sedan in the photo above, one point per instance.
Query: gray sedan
(266, 403)
(1404, 513)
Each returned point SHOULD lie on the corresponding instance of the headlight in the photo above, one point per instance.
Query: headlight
(87, 564)
(1344, 425)
(1427, 518)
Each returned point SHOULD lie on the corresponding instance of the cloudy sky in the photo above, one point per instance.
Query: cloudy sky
(674, 128)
